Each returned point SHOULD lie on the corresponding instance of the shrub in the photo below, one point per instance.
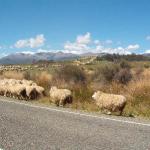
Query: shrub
(81, 92)
(138, 72)
(44, 79)
(13, 75)
(124, 64)
(114, 72)
(108, 72)
(146, 66)
(71, 73)
(27, 75)
(123, 76)
(82, 98)
(139, 97)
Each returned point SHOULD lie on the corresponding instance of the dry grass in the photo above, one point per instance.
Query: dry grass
(87, 106)
(13, 75)
(138, 94)
(44, 100)
(43, 78)
(137, 91)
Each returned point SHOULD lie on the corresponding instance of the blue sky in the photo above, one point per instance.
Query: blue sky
(77, 26)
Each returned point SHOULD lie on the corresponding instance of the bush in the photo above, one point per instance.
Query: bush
(27, 75)
(146, 66)
(82, 93)
(13, 75)
(139, 97)
(44, 79)
(114, 72)
(118, 57)
(123, 76)
(71, 73)
(124, 64)
(138, 73)
(107, 72)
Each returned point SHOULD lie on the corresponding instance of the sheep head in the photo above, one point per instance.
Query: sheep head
(96, 95)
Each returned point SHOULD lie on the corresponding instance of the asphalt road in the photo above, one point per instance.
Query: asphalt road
(25, 127)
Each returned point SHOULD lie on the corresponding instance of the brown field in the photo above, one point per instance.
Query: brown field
(131, 79)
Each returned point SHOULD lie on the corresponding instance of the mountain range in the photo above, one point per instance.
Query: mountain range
(26, 58)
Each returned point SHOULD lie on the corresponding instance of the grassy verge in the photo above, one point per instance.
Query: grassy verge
(83, 81)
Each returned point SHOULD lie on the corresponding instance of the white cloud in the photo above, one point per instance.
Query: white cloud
(100, 48)
(39, 51)
(118, 50)
(31, 42)
(147, 51)
(81, 44)
(148, 38)
(38, 41)
(22, 43)
(46, 50)
(84, 39)
(27, 52)
(42, 51)
(133, 47)
(3, 54)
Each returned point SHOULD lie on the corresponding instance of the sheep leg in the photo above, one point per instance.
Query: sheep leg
(57, 104)
(61, 103)
(5, 93)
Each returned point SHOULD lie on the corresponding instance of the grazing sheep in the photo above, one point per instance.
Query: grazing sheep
(27, 82)
(17, 91)
(3, 90)
(110, 102)
(40, 90)
(20, 89)
(31, 92)
(60, 96)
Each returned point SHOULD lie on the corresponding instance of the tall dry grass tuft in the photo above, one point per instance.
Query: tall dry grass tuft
(71, 73)
(44, 79)
(82, 96)
(138, 95)
(13, 75)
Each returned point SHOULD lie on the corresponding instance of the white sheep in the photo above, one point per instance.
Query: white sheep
(60, 96)
(110, 102)
(3, 90)
(27, 82)
(31, 92)
(17, 91)
(21, 89)
(40, 90)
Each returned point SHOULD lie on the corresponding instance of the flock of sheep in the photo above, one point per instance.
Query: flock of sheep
(20, 89)
(14, 68)
(109, 102)
(40, 67)
(28, 90)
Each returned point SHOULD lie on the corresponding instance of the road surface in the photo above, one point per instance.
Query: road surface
(28, 127)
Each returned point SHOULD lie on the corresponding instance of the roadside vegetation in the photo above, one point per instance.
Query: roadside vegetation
(111, 74)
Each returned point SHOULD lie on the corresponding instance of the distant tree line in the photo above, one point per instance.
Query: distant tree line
(117, 57)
